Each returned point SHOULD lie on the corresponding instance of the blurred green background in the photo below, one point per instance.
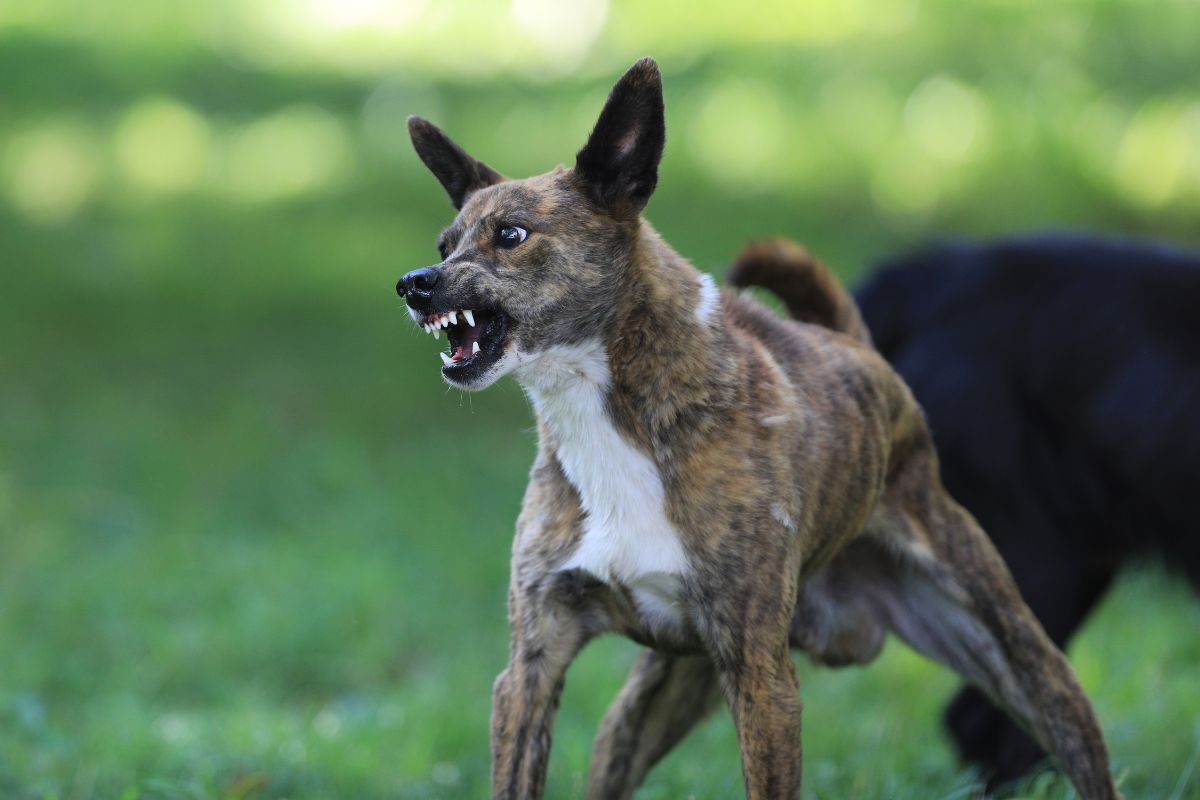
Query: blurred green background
(251, 547)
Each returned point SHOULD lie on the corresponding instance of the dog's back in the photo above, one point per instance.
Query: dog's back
(1060, 375)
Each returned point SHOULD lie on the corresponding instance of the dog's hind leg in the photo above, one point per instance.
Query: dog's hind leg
(663, 699)
(946, 591)
(1061, 588)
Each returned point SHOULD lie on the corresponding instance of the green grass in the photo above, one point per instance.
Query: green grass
(251, 547)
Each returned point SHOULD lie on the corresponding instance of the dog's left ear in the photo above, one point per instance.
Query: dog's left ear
(459, 173)
(619, 164)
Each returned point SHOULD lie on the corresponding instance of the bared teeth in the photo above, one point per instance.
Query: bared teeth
(434, 323)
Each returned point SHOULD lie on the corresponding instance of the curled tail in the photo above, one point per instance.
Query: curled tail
(807, 288)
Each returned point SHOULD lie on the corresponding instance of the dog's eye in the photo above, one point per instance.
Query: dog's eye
(510, 236)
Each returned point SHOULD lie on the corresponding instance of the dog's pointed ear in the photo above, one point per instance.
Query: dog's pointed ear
(460, 174)
(619, 163)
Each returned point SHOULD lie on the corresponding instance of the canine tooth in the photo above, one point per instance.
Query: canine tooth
(453, 318)
(445, 358)
(469, 317)
(445, 321)
(474, 348)
(437, 333)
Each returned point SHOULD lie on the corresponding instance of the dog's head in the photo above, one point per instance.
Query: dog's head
(531, 264)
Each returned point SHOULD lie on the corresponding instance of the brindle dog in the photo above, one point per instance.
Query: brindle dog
(715, 482)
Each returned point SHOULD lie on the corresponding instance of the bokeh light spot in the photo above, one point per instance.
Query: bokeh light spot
(946, 118)
(300, 150)
(564, 29)
(51, 170)
(162, 145)
(1152, 154)
(350, 15)
(1189, 124)
(738, 133)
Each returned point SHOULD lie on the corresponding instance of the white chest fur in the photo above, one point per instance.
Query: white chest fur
(626, 534)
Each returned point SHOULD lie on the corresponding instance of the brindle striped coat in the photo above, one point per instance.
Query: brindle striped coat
(712, 481)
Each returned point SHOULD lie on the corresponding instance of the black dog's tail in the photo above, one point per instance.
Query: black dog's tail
(807, 288)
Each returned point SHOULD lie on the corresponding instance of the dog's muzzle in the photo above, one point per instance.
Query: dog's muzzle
(417, 287)
(476, 332)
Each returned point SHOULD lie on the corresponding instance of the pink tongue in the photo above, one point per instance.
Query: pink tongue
(459, 354)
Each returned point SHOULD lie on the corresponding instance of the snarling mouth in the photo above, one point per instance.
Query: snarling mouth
(476, 339)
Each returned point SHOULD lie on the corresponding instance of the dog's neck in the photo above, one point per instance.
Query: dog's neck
(665, 363)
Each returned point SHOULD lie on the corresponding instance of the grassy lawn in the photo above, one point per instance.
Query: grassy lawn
(253, 548)
(250, 545)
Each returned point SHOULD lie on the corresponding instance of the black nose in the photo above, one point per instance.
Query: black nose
(417, 286)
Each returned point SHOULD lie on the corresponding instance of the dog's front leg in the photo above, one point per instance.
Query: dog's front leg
(746, 632)
(546, 636)
(764, 696)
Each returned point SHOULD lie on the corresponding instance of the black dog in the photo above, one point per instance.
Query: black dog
(1061, 378)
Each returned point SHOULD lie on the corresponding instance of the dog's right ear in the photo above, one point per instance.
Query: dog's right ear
(460, 174)
(619, 163)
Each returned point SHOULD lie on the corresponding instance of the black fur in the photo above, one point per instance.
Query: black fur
(619, 163)
(460, 174)
(1061, 378)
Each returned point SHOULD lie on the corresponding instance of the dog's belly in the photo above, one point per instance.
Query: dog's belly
(657, 602)
(651, 612)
